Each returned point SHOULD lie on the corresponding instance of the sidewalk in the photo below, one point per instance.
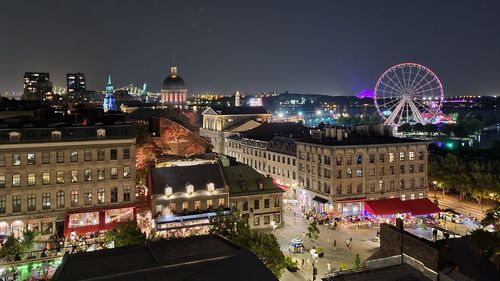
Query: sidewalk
(462, 206)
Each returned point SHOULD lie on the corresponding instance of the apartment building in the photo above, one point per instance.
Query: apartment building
(58, 178)
(340, 168)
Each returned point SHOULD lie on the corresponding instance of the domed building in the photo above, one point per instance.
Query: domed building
(174, 91)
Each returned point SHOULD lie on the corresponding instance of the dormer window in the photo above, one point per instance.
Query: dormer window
(168, 191)
(101, 133)
(210, 187)
(56, 135)
(189, 189)
(261, 185)
(14, 136)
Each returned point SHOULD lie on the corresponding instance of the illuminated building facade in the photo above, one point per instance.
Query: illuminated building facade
(37, 86)
(75, 82)
(341, 168)
(174, 91)
(222, 122)
(109, 98)
(58, 179)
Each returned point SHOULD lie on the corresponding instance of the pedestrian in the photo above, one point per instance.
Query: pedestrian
(329, 267)
(302, 262)
(335, 244)
(347, 242)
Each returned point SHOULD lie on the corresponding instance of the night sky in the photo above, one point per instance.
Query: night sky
(328, 47)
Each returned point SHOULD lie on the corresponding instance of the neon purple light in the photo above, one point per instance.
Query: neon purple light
(365, 94)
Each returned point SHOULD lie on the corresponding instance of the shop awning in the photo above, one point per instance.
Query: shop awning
(388, 206)
(420, 207)
(320, 200)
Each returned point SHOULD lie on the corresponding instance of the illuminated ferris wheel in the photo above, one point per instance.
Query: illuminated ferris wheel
(408, 93)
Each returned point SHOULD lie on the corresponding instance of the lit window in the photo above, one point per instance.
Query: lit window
(114, 173)
(101, 133)
(391, 157)
(185, 206)
(56, 135)
(411, 155)
(46, 201)
(16, 159)
(16, 180)
(190, 189)
(74, 198)
(101, 196)
(60, 199)
(59, 177)
(14, 136)
(221, 202)
(31, 179)
(87, 197)
(126, 171)
(87, 175)
(74, 156)
(74, 176)
(31, 159)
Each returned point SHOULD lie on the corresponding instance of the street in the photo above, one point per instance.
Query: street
(364, 243)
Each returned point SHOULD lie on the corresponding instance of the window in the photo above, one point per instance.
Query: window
(420, 195)
(100, 174)
(328, 173)
(87, 175)
(74, 198)
(114, 194)
(339, 189)
(209, 203)
(46, 158)
(126, 172)
(114, 173)
(349, 173)
(359, 172)
(359, 188)
(101, 196)
(244, 205)
(381, 172)
(402, 169)
(46, 201)
(16, 159)
(87, 155)
(113, 153)
(16, 180)
(60, 157)
(31, 159)
(2, 181)
(420, 168)
(197, 205)
(371, 172)
(172, 207)
(276, 218)
(359, 159)
(46, 178)
(266, 203)
(73, 156)
(126, 153)
(411, 155)
(339, 174)
(402, 183)
(327, 160)
(59, 177)
(391, 157)
(14, 136)
(185, 206)
(411, 168)
(74, 176)
(348, 160)
(100, 155)
(256, 204)
(420, 155)
(60, 200)
(2, 160)
(412, 183)
(421, 182)
(372, 187)
(3, 204)
(391, 185)
(276, 201)
(403, 197)
(372, 158)
(256, 220)
(56, 135)
(221, 202)
(126, 194)
(339, 160)
(267, 219)
(31, 202)
(326, 188)
(31, 179)
(382, 158)
(401, 156)
(391, 170)
(87, 197)
(16, 203)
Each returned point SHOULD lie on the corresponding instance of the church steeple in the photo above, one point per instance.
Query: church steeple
(109, 99)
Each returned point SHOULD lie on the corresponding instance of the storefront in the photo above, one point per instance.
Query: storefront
(97, 219)
(350, 207)
(175, 225)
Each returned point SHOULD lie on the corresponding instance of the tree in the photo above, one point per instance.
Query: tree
(11, 248)
(356, 263)
(492, 217)
(312, 231)
(126, 234)
(28, 241)
(405, 128)
(264, 245)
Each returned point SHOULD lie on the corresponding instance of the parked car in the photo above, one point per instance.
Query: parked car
(453, 217)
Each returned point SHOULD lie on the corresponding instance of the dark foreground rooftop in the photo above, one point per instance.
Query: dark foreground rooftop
(191, 259)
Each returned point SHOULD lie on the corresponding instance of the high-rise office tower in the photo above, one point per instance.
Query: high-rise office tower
(37, 86)
(75, 82)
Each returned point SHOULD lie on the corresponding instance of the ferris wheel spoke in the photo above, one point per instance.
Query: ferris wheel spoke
(426, 90)
(422, 86)
(403, 86)
(404, 79)
(419, 81)
(419, 104)
(387, 103)
(394, 114)
(389, 86)
(394, 82)
(387, 92)
(416, 113)
(417, 75)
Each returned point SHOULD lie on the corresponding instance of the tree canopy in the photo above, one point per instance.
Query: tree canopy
(126, 234)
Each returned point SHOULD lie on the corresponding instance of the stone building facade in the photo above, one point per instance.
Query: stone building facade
(339, 169)
(56, 179)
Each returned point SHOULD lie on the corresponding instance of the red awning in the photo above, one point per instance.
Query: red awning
(388, 206)
(420, 207)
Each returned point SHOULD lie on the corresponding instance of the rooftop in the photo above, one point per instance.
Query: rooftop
(267, 131)
(194, 258)
(358, 140)
(243, 180)
(237, 110)
(179, 176)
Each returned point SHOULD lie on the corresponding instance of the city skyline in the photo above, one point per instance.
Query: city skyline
(323, 47)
